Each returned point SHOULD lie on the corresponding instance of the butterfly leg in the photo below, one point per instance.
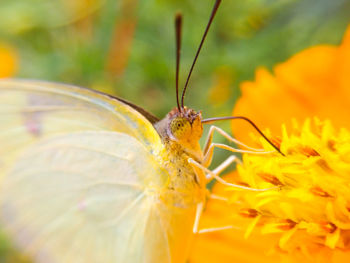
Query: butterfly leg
(210, 175)
(210, 135)
(197, 165)
(209, 145)
(208, 156)
(215, 229)
(196, 229)
(218, 170)
(215, 174)
(199, 212)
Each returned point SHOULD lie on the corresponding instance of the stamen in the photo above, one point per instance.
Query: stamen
(331, 145)
(286, 225)
(249, 212)
(324, 165)
(270, 179)
(328, 227)
(307, 151)
(319, 192)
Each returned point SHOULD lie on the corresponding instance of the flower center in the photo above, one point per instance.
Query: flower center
(309, 200)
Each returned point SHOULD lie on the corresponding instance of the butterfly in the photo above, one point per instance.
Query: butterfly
(87, 177)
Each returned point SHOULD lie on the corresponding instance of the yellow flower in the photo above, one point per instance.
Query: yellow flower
(8, 61)
(305, 216)
(310, 204)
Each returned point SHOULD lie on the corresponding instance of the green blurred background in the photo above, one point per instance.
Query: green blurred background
(127, 47)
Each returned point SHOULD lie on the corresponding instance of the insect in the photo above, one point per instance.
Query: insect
(86, 177)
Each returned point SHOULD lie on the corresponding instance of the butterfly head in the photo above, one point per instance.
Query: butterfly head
(182, 129)
(185, 125)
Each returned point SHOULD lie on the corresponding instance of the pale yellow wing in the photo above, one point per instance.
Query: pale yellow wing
(83, 181)
(86, 197)
(31, 110)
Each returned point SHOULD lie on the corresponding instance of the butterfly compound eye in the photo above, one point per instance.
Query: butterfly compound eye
(180, 128)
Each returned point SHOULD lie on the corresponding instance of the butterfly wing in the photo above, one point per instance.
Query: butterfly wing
(30, 111)
(82, 193)
(81, 178)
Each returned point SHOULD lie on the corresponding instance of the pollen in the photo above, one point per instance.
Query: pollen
(307, 200)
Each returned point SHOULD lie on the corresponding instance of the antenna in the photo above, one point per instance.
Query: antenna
(178, 29)
(210, 120)
(213, 12)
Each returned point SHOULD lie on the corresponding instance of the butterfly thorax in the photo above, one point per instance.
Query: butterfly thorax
(180, 132)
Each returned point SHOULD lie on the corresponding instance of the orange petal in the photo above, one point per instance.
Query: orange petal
(314, 82)
(228, 246)
(8, 61)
